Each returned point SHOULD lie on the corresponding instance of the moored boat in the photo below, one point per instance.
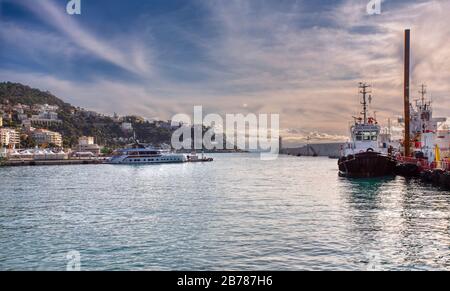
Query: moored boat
(429, 146)
(141, 154)
(364, 156)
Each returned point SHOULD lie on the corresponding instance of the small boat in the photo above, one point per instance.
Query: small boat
(194, 158)
(364, 156)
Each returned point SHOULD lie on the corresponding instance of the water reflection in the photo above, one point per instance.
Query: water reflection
(236, 213)
(399, 223)
(364, 198)
(425, 225)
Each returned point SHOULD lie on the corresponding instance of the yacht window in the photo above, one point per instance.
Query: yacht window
(359, 137)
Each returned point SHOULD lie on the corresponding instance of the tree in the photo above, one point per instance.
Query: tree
(27, 142)
(106, 151)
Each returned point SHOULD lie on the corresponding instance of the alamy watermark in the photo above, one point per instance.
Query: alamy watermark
(73, 261)
(73, 7)
(246, 132)
(374, 7)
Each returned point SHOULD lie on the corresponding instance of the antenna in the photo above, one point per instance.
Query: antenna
(363, 90)
(389, 126)
(423, 92)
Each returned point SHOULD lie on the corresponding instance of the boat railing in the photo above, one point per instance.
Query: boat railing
(441, 165)
(425, 165)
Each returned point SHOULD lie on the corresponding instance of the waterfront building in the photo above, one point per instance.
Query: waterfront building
(43, 136)
(3, 152)
(86, 140)
(22, 117)
(37, 155)
(26, 125)
(127, 126)
(116, 117)
(9, 137)
(44, 108)
(86, 144)
(166, 125)
(46, 118)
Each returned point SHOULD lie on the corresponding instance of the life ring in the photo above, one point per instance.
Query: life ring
(370, 150)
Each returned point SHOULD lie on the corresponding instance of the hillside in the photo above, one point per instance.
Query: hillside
(77, 122)
(18, 93)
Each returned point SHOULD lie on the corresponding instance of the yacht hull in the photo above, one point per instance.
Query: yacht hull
(366, 165)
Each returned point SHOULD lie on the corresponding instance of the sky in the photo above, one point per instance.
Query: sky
(300, 59)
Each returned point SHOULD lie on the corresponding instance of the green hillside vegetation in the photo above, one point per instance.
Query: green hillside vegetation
(18, 93)
(78, 122)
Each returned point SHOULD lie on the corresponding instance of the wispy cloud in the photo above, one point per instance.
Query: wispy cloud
(34, 43)
(134, 60)
(273, 56)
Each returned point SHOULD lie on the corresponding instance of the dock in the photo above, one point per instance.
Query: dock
(19, 163)
(22, 163)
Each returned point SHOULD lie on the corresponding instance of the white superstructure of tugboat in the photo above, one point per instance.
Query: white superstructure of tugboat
(424, 130)
(365, 156)
(429, 145)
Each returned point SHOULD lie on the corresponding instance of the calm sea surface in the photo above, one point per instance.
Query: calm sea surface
(237, 213)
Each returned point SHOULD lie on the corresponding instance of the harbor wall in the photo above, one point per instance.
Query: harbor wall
(322, 149)
(18, 163)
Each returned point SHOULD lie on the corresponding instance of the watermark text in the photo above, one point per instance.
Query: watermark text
(74, 7)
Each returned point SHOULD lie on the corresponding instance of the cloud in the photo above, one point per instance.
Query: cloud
(274, 56)
(133, 60)
(269, 55)
(34, 43)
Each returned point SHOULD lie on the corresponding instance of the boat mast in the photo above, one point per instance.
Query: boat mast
(406, 93)
(423, 92)
(363, 90)
(307, 145)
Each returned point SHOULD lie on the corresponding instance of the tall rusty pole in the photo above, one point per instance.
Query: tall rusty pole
(406, 94)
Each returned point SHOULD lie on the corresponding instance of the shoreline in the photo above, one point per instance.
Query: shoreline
(24, 163)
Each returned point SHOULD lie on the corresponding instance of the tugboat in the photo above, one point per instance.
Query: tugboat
(425, 146)
(363, 157)
(428, 146)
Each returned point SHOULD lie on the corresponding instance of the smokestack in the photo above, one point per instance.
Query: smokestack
(406, 94)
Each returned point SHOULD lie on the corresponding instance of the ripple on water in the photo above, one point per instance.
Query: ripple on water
(237, 213)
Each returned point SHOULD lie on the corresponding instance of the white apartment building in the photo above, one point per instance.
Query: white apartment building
(43, 136)
(9, 137)
(87, 144)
